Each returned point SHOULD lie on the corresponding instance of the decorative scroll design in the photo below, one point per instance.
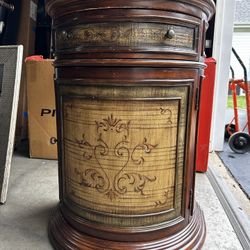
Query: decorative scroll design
(91, 178)
(168, 112)
(164, 201)
(137, 180)
(144, 147)
(114, 125)
(117, 182)
(126, 34)
(83, 144)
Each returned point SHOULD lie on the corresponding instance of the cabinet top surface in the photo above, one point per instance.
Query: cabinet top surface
(57, 8)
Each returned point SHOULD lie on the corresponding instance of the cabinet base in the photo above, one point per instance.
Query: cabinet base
(63, 236)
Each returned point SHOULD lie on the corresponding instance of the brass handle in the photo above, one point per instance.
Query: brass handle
(170, 34)
(66, 34)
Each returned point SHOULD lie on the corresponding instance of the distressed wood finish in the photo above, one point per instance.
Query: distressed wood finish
(128, 75)
(129, 35)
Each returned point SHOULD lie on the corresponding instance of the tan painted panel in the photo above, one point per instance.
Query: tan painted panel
(116, 156)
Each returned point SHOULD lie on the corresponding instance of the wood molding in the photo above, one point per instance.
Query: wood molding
(65, 237)
(195, 6)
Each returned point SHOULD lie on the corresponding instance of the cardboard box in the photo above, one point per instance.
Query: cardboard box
(26, 36)
(41, 109)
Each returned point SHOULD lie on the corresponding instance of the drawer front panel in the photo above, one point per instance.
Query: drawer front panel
(127, 35)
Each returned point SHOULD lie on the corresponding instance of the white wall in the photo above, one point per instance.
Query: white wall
(241, 43)
(224, 23)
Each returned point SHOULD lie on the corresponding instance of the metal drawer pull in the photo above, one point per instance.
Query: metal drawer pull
(66, 34)
(170, 34)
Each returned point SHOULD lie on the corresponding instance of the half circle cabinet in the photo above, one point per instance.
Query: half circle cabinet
(127, 76)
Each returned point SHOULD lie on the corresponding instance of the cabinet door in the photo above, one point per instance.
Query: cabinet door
(124, 152)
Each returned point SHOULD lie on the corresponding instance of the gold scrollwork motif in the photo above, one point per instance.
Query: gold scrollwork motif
(114, 125)
(137, 180)
(83, 144)
(115, 183)
(144, 147)
(168, 112)
(164, 201)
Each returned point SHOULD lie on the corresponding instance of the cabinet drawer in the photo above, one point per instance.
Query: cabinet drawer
(139, 36)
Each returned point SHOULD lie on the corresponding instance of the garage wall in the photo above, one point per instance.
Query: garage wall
(241, 43)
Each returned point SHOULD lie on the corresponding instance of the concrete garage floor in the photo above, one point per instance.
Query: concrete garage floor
(33, 194)
(237, 164)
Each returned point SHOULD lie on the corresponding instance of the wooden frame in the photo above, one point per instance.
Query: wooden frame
(10, 75)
